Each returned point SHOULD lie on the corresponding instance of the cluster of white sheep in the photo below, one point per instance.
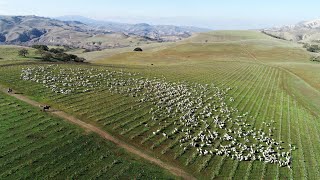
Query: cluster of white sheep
(208, 124)
(201, 114)
(68, 80)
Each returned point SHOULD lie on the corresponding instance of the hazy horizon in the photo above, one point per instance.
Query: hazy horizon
(247, 14)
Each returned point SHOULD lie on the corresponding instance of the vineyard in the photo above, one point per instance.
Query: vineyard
(231, 116)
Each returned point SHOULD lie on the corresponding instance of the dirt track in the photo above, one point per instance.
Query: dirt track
(88, 127)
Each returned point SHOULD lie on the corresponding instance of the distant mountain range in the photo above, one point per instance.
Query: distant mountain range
(85, 33)
(306, 31)
(161, 32)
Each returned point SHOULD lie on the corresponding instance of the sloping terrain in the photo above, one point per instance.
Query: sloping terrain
(225, 104)
(159, 32)
(36, 145)
(29, 30)
(306, 31)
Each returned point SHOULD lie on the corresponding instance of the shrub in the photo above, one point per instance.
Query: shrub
(79, 59)
(66, 47)
(306, 45)
(87, 50)
(315, 58)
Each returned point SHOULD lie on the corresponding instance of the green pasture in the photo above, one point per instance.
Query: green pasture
(271, 79)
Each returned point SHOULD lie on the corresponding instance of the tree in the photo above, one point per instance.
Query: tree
(46, 56)
(41, 52)
(41, 47)
(64, 57)
(57, 50)
(23, 52)
(313, 48)
(137, 49)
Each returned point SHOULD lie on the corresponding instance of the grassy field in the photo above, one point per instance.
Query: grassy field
(97, 55)
(9, 54)
(36, 145)
(271, 80)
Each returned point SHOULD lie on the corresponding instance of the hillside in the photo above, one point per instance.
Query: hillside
(30, 30)
(160, 32)
(37, 145)
(306, 31)
(219, 105)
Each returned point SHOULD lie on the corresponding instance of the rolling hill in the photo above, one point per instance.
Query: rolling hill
(219, 105)
(160, 32)
(30, 30)
(306, 31)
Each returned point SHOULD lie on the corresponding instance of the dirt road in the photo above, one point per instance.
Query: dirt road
(88, 127)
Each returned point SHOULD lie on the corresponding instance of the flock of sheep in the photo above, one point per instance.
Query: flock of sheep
(201, 115)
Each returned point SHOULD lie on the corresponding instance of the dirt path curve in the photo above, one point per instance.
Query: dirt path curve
(88, 127)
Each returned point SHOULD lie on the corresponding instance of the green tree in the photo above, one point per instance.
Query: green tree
(23, 52)
(56, 50)
(41, 52)
(138, 49)
(46, 56)
(313, 48)
(41, 47)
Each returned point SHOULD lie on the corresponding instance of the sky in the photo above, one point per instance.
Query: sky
(213, 14)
